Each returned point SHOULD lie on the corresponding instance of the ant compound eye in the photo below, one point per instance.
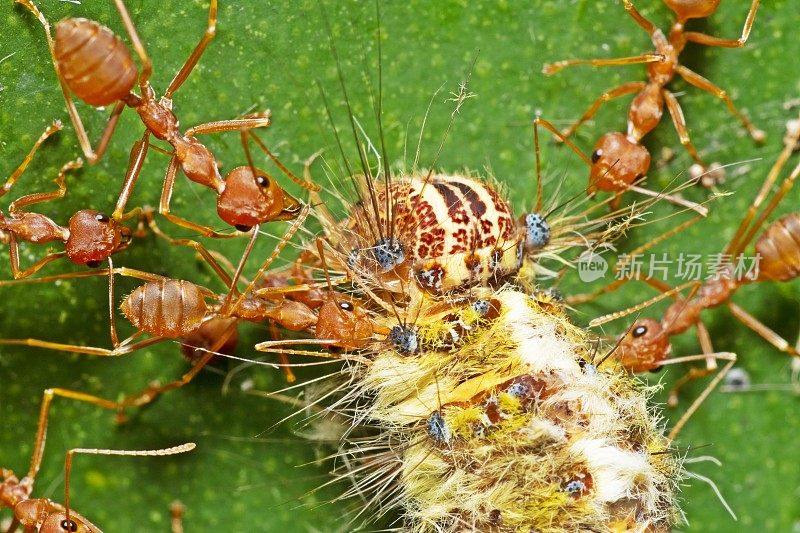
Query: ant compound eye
(101, 217)
(243, 228)
(638, 331)
(68, 525)
(596, 155)
(93, 264)
(262, 181)
(347, 306)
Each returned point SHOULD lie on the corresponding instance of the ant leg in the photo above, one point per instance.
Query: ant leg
(147, 65)
(304, 183)
(710, 40)
(191, 62)
(737, 244)
(122, 271)
(705, 85)
(123, 349)
(622, 90)
(166, 198)
(92, 154)
(181, 448)
(153, 391)
(539, 121)
(679, 121)
(44, 410)
(50, 130)
(41, 197)
(725, 356)
(135, 163)
(13, 249)
(269, 260)
(707, 347)
(666, 292)
(645, 24)
(147, 216)
(551, 68)
(765, 332)
(275, 335)
(787, 184)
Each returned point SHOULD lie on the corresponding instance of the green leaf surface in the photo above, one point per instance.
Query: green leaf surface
(250, 471)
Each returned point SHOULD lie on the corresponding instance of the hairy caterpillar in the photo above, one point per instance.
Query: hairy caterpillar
(493, 132)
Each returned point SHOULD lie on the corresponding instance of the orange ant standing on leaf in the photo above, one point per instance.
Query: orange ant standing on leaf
(90, 237)
(622, 171)
(246, 197)
(646, 345)
(43, 514)
(648, 105)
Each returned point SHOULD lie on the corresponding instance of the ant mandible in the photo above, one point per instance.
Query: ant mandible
(648, 104)
(245, 197)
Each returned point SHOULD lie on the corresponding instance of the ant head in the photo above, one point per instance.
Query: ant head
(617, 161)
(692, 9)
(340, 318)
(644, 346)
(58, 523)
(94, 236)
(248, 200)
(52, 517)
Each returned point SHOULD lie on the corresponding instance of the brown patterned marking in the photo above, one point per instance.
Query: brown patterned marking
(454, 203)
(504, 220)
(475, 202)
(461, 241)
(438, 239)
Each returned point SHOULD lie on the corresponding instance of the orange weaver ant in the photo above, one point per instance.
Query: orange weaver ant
(646, 346)
(648, 105)
(616, 165)
(245, 197)
(90, 237)
(43, 514)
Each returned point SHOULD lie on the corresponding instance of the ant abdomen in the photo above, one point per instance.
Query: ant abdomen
(93, 62)
(168, 308)
(779, 249)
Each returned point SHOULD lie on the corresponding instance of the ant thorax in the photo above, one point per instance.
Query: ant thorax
(445, 231)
